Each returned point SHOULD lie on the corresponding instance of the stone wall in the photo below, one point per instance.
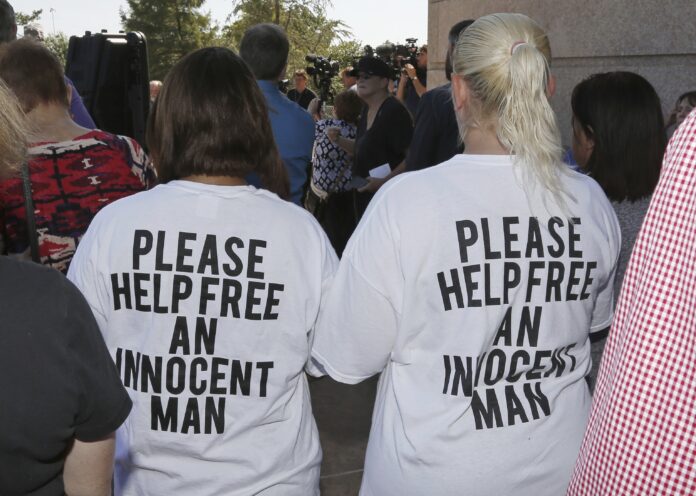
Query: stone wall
(654, 39)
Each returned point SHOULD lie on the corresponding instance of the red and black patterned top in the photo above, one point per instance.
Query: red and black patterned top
(71, 181)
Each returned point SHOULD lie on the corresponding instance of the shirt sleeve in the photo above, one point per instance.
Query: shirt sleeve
(603, 311)
(424, 135)
(358, 322)
(329, 264)
(84, 274)
(400, 133)
(78, 111)
(104, 403)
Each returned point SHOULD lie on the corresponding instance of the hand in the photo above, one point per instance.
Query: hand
(373, 184)
(333, 133)
(410, 71)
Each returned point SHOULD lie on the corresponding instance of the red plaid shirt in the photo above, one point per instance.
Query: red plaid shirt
(641, 437)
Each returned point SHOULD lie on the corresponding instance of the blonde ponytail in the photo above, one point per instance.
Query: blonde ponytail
(504, 59)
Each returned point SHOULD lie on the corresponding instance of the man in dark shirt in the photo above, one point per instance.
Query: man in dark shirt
(413, 82)
(300, 94)
(436, 135)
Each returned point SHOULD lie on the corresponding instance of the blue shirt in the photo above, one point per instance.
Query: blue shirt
(293, 130)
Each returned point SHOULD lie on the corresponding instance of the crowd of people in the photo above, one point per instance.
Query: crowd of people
(433, 236)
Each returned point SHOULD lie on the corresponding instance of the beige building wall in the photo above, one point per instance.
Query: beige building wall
(654, 38)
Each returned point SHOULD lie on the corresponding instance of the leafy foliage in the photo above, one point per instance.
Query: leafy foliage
(173, 28)
(23, 19)
(58, 44)
(306, 23)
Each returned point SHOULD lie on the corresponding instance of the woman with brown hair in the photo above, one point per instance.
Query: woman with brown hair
(73, 171)
(206, 291)
(331, 171)
(619, 140)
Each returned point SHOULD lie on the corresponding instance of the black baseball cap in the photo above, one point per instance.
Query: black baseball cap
(373, 66)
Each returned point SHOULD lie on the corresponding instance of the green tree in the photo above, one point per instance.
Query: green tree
(345, 52)
(23, 19)
(173, 28)
(58, 44)
(306, 23)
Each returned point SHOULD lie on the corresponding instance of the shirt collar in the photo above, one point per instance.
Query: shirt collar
(268, 86)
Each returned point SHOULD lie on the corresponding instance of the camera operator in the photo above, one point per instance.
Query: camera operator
(436, 136)
(323, 71)
(384, 130)
(300, 94)
(265, 49)
(413, 81)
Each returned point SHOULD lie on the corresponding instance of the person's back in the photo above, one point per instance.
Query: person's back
(473, 287)
(73, 171)
(209, 324)
(71, 181)
(58, 378)
(265, 48)
(619, 140)
(293, 130)
(435, 136)
(436, 133)
(210, 299)
(493, 302)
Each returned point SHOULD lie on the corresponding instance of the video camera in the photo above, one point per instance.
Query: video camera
(322, 72)
(396, 56)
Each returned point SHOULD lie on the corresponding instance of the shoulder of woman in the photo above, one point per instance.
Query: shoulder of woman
(396, 107)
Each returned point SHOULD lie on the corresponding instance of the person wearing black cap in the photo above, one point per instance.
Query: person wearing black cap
(384, 129)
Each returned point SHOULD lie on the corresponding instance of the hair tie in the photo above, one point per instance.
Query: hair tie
(517, 44)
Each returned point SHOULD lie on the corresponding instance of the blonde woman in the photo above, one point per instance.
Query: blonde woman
(473, 287)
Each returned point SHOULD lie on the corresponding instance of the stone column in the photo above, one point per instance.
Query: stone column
(654, 39)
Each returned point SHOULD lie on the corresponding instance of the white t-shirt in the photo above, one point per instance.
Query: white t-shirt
(476, 305)
(207, 298)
